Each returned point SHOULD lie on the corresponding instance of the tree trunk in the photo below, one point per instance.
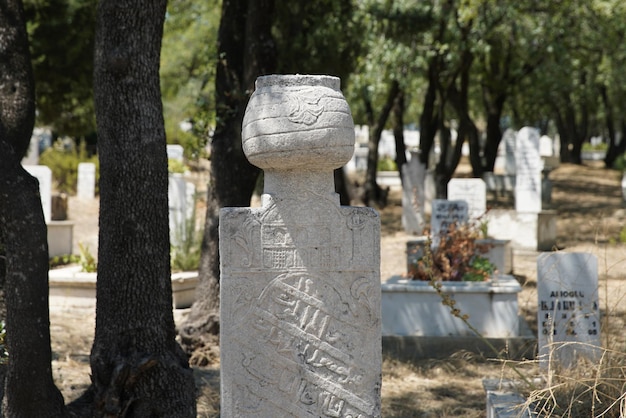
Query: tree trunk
(429, 117)
(494, 103)
(615, 149)
(247, 51)
(28, 387)
(373, 193)
(397, 119)
(138, 369)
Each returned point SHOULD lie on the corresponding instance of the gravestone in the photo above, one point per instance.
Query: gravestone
(44, 176)
(86, 184)
(568, 313)
(509, 151)
(445, 213)
(177, 198)
(300, 280)
(528, 168)
(546, 146)
(473, 191)
(413, 195)
(175, 152)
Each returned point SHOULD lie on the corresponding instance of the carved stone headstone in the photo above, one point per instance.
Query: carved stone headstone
(473, 191)
(528, 166)
(86, 184)
(300, 279)
(568, 313)
(44, 176)
(444, 214)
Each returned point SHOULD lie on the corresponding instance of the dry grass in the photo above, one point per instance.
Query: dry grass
(591, 214)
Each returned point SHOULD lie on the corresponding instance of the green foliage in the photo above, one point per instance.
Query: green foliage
(326, 39)
(387, 164)
(86, 260)
(63, 160)
(188, 62)
(4, 354)
(620, 163)
(61, 34)
(62, 260)
(588, 146)
(480, 269)
(175, 166)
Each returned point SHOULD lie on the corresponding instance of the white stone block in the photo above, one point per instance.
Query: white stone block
(44, 176)
(568, 313)
(86, 184)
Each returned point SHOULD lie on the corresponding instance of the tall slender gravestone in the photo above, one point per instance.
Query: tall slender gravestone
(300, 279)
(528, 166)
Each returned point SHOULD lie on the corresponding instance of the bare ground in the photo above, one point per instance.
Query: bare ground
(591, 215)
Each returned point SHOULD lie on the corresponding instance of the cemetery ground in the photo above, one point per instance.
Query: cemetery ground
(591, 216)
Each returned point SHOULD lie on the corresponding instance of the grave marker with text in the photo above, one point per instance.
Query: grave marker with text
(568, 311)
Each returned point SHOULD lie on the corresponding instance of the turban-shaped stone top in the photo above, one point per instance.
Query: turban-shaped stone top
(298, 122)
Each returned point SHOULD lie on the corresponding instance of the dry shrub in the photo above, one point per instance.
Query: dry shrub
(590, 389)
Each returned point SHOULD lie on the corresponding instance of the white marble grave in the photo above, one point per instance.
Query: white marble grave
(509, 151)
(43, 174)
(175, 152)
(300, 280)
(568, 311)
(473, 191)
(86, 184)
(528, 166)
(413, 195)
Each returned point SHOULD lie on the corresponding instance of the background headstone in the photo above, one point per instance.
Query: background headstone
(413, 195)
(44, 176)
(86, 184)
(546, 146)
(473, 191)
(175, 152)
(528, 166)
(509, 151)
(568, 311)
(177, 201)
(444, 214)
(300, 331)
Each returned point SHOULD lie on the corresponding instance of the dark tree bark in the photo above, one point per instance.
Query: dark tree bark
(459, 98)
(397, 119)
(138, 369)
(615, 149)
(373, 194)
(28, 387)
(246, 51)
(429, 117)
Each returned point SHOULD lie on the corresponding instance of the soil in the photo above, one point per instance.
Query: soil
(591, 214)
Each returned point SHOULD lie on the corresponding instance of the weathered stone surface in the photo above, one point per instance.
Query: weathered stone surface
(300, 279)
(528, 166)
(473, 191)
(86, 184)
(568, 311)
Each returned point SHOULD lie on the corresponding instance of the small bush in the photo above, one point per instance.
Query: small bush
(386, 164)
(457, 258)
(63, 160)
